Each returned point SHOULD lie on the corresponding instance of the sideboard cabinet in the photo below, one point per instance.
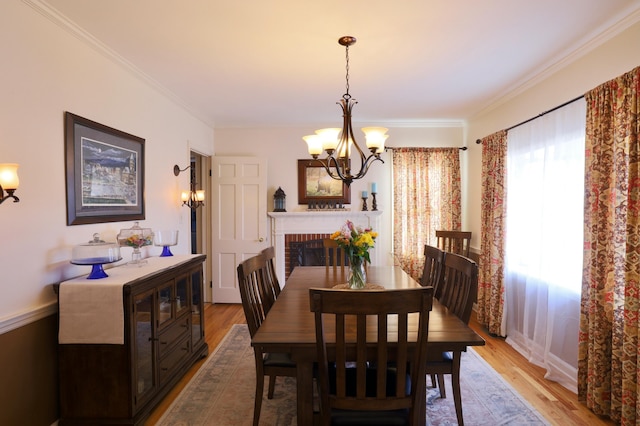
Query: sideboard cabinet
(163, 337)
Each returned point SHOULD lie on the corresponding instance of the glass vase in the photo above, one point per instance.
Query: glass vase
(136, 257)
(357, 277)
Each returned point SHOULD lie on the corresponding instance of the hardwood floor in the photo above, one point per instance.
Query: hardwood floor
(557, 404)
(218, 321)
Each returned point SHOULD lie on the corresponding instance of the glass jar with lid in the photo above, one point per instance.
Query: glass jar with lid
(135, 237)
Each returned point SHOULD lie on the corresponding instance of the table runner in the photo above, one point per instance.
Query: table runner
(92, 312)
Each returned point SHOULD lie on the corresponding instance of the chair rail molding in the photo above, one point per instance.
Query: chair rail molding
(316, 222)
(21, 319)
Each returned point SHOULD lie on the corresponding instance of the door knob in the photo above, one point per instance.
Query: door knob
(261, 239)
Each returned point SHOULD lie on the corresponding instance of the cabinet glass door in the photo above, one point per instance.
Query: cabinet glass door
(197, 316)
(182, 294)
(144, 380)
(165, 297)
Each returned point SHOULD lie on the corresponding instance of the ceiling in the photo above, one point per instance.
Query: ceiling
(278, 62)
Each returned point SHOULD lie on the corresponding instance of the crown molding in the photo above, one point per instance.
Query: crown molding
(590, 42)
(49, 12)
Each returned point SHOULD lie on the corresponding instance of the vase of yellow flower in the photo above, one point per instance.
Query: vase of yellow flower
(356, 242)
(357, 278)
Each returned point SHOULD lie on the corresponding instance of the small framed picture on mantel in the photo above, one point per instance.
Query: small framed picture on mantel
(315, 184)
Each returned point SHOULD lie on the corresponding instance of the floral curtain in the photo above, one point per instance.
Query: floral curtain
(608, 342)
(493, 216)
(426, 197)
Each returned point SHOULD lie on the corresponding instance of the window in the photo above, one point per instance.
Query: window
(544, 235)
(426, 197)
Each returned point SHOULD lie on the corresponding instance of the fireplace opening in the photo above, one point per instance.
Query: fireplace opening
(308, 252)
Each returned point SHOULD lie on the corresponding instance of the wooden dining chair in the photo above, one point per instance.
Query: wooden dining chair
(454, 241)
(269, 255)
(459, 289)
(432, 272)
(433, 276)
(333, 255)
(379, 379)
(257, 298)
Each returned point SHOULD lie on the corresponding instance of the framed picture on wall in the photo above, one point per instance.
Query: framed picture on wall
(104, 173)
(315, 184)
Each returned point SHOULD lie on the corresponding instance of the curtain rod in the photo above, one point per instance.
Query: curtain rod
(387, 148)
(541, 114)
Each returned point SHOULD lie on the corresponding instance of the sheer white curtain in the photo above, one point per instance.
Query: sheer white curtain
(544, 235)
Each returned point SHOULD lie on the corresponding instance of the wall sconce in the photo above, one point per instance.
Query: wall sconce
(8, 181)
(193, 198)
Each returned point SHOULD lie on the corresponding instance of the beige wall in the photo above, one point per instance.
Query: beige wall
(47, 70)
(29, 377)
(611, 58)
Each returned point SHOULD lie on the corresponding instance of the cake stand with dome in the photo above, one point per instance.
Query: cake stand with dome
(95, 253)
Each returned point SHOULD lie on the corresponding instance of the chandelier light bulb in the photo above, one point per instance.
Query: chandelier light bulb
(375, 138)
(314, 144)
(329, 137)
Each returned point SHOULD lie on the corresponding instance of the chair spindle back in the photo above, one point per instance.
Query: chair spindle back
(454, 241)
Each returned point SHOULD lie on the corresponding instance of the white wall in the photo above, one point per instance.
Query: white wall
(47, 70)
(613, 57)
(284, 146)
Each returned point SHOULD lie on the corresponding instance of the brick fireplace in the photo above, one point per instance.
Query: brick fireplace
(302, 249)
(287, 227)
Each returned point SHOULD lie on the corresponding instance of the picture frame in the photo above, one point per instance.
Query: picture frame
(315, 184)
(104, 173)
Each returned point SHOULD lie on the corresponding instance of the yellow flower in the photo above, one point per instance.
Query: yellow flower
(354, 240)
(365, 240)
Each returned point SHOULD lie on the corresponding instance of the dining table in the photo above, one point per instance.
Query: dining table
(289, 326)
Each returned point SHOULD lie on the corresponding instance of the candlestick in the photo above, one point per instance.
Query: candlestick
(374, 203)
(364, 201)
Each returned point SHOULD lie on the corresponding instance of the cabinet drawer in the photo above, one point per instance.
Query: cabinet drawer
(170, 336)
(174, 358)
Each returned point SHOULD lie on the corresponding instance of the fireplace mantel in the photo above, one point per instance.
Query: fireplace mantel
(316, 222)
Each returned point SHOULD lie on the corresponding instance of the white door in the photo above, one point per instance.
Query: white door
(239, 204)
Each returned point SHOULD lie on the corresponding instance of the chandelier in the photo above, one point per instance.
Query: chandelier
(340, 144)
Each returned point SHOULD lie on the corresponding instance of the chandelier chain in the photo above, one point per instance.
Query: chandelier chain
(347, 95)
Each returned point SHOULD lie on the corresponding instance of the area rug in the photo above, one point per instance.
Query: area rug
(221, 394)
